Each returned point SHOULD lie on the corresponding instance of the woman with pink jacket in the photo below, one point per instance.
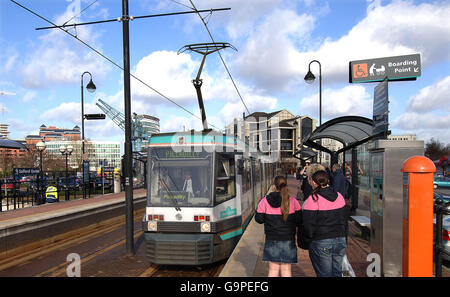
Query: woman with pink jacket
(280, 214)
(324, 226)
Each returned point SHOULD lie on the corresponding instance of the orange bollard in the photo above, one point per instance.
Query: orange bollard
(418, 174)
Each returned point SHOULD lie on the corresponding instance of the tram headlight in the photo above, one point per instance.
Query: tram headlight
(205, 227)
(152, 226)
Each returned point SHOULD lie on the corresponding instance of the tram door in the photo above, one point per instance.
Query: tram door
(247, 191)
(254, 199)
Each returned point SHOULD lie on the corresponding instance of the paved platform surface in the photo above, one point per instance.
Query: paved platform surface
(246, 258)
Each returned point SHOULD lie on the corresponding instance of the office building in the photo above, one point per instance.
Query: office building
(99, 153)
(4, 131)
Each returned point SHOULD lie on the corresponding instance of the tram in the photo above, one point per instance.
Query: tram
(202, 191)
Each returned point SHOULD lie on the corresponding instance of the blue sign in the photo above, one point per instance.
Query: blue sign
(85, 171)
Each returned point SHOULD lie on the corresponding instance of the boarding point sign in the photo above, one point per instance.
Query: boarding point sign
(394, 68)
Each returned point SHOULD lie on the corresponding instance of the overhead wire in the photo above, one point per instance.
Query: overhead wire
(80, 12)
(111, 61)
(220, 55)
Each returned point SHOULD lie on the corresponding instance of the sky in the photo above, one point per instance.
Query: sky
(40, 70)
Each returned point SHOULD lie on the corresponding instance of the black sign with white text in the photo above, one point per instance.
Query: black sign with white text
(381, 108)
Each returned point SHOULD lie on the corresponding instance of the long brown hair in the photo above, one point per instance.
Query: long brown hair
(322, 180)
(281, 186)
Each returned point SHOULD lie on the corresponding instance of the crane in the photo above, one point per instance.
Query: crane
(137, 131)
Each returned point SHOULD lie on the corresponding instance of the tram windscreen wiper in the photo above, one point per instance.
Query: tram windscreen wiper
(173, 198)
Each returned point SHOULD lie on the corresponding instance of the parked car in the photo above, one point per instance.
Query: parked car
(7, 184)
(106, 183)
(441, 182)
(445, 236)
(72, 182)
(438, 195)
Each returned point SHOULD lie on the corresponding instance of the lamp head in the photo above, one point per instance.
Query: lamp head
(40, 146)
(91, 86)
(69, 149)
(62, 149)
(309, 77)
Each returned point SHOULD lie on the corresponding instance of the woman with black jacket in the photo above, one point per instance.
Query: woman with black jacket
(324, 226)
(280, 215)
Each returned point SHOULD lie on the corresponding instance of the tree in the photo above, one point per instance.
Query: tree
(434, 149)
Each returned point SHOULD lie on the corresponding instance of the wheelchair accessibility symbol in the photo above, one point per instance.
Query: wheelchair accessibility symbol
(360, 70)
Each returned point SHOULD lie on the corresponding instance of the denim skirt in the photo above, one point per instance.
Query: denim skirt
(283, 251)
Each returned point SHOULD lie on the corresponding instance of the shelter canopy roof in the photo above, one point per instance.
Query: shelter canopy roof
(351, 131)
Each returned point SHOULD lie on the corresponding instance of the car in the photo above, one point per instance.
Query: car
(441, 182)
(7, 184)
(106, 183)
(438, 195)
(72, 182)
(446, 237)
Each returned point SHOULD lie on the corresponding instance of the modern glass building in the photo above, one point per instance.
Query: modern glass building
(150, 125)
(99, 153)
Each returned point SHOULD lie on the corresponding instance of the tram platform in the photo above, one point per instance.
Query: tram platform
(246, 260)
(22, 227)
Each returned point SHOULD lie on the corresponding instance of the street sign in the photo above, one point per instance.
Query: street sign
(26, 171)
(394, 68)
(381, 108)
(95, 116)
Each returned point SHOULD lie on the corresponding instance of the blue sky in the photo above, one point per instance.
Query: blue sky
(40, 71)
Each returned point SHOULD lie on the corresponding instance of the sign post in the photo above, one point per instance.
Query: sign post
(400, 68)
(381, 108)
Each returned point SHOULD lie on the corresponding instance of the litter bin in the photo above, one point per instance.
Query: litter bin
(51, 195)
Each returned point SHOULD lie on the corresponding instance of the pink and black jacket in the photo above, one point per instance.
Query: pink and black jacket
(324, 218)
(269, 214)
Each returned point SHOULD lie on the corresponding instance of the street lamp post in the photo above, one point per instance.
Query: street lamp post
(67, 151)
(91, 88)
(41, 147)
(309, 78)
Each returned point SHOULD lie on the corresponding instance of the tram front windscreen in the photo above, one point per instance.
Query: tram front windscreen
(180, 179)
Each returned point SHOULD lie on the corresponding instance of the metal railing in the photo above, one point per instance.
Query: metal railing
(441, 209)
(15, 194)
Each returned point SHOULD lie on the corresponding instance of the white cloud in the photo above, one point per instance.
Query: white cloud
(279, 50)
(413, 120)
(174, 123)
(350, 100)
(238, 22)
(254, 102)
(59, 58)
(30, 95)
(434, 97)
(69, 111)
(425, 125)
(269, 58)
(168, 73)
(69, 115)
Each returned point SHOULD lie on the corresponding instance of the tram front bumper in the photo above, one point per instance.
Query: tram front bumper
(179, 249)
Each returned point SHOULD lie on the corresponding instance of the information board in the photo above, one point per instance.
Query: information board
(381, 108)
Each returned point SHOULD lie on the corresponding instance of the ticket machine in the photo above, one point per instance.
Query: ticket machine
(386, 199)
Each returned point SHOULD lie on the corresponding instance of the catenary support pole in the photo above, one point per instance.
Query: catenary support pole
(128, 151)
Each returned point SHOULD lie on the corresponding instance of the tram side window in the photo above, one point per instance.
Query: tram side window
(225, 181)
